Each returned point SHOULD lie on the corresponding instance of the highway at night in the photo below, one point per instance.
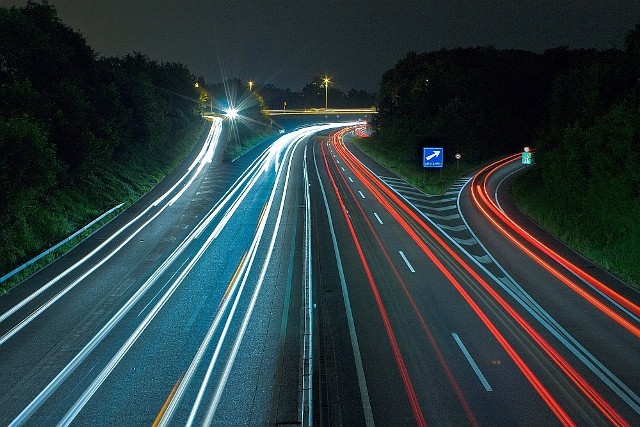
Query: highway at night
(478, 330)
(305, 284)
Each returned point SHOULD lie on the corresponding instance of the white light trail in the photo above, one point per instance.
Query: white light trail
(212, 140)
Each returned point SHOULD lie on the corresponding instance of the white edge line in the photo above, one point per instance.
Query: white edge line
(362, 382)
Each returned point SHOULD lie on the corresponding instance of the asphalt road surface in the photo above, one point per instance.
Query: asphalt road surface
(304, 284)
(188, 308)
(429, 314)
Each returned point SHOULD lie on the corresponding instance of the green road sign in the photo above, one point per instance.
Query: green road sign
(526, 158)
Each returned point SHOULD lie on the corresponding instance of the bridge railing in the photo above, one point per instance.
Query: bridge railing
(310, 111)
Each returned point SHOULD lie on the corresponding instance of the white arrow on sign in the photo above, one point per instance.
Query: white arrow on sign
(435, 154)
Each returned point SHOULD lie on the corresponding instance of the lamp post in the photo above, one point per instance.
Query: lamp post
(326, 91)
(250, 85)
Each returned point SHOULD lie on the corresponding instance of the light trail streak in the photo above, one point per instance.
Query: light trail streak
(406, 379)
(510, 286)
(367, 177)
(211, 141)
(115, 360)
(287, 144)
(482, 200)
(532, 307)
(108, 327)
(163, 409)
(265, 265)
(481, 203)
(198, 357)
(253, 251)
(355, 346)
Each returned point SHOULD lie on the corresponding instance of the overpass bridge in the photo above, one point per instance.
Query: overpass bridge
(289, 119)
(321, 111)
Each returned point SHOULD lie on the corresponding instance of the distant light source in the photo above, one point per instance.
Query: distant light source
(231, 113)
(326, 91)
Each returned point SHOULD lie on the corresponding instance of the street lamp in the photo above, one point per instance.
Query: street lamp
(250, 85)
(326, 91)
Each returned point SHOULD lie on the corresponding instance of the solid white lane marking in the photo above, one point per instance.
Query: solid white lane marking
(378, 218)
(355, 346)
(472, 362)
(406, 261)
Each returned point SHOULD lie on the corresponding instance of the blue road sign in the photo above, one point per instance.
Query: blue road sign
(432, 157)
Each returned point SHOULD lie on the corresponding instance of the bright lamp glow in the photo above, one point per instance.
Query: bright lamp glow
(232, 113)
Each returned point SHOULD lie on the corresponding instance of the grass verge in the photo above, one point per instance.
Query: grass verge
(66, 210)
(432, 181)
(236, 149)
(620, 256)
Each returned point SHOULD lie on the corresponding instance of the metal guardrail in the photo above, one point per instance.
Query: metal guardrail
(306, 408)
(53, 248)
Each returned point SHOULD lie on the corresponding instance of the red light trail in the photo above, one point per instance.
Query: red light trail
(487, 206)
(416, 310)
(415, 406)
(385, 196)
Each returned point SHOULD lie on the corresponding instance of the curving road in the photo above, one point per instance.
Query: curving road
(306, 284)
(186, 309)
(429, 314)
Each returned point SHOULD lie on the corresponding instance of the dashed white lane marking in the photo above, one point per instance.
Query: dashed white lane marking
(472, 362)
(406, 261)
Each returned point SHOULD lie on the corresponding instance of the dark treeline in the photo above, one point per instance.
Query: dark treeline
(586, 186)
(476, 101)
(483, 102)
(77, 132)
(580, 109)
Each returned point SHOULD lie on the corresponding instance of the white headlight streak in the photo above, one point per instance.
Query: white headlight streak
(279, 155)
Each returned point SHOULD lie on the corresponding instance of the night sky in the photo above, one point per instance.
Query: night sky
(286, 42)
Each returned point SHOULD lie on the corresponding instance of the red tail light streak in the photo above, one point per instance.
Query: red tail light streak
(530, 245)
(413, 224)
(415, 406)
